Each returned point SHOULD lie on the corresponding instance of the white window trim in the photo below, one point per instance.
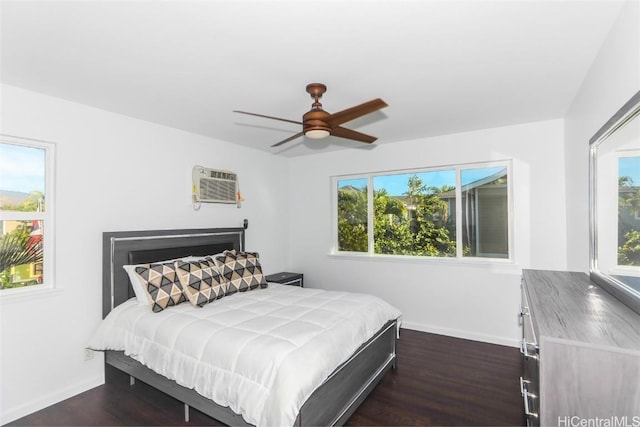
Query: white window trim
(334, 252)
(48, 288)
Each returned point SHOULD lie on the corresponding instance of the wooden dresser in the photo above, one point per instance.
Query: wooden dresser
(581, 353)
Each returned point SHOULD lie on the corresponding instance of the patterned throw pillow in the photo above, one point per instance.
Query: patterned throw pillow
(161, 283)
(201, 281)
(242, 271)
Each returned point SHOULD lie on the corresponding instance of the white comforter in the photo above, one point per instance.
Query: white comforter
(262, 353)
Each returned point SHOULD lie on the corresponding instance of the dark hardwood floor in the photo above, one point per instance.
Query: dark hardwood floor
(439, 381)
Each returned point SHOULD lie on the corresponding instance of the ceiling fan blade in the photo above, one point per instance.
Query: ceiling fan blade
(288, 139)
(352, 113)
(267, 117)
(341, 132)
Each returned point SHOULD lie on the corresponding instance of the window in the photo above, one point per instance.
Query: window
(352, 220)
(629, 209)
(454, 212)
(26, 213)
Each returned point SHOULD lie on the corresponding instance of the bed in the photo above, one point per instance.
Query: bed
(331, 403)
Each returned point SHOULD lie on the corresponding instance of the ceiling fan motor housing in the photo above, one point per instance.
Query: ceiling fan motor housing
(315, 120)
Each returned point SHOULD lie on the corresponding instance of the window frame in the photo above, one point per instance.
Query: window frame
(458, 168)
(48, 217)
(615, 266)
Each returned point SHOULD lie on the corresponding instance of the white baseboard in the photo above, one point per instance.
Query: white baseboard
(10, 414)
(460, 334)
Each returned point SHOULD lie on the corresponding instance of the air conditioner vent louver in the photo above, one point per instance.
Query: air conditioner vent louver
(214, 186)
(218, 190)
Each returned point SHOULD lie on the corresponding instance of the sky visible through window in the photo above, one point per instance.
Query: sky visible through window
(22, 168)
(630, 166)
(396, 185)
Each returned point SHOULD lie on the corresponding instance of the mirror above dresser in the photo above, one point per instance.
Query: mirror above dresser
(614, 204)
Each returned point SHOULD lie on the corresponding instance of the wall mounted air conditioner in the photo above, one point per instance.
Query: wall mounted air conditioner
(215, 186)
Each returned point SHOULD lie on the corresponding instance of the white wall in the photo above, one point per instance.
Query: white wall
(471, 301)
(612, 79)
(113, 173)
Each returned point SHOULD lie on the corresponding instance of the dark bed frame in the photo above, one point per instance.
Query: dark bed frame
(331, 404)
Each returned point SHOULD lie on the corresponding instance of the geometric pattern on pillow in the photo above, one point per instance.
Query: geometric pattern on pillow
(201, 281)
(242, 271)
(161, 283)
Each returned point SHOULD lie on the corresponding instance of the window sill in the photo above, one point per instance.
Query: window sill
(492, 263)
(13, 296)
(624, 271)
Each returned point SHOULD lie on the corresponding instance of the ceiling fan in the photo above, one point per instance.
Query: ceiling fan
(317, 123)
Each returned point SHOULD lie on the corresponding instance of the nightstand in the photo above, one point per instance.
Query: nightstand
(286, 278)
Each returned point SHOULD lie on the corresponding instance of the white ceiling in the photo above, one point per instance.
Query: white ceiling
(442, 66)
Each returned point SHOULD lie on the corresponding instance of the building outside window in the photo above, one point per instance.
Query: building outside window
(26, 213)
(454, 212)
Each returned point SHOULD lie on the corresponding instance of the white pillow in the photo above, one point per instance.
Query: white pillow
(200, 258)
(136, 282)
(138, 287)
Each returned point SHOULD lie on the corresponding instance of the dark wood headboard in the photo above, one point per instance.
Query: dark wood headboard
(134, 247)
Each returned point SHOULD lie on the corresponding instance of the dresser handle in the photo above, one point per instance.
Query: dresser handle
(524, 310)
(526, 395)
(522, 384)
(524, 349)
(527, 411)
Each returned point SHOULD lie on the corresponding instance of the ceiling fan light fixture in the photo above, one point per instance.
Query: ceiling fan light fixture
(317, 133)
